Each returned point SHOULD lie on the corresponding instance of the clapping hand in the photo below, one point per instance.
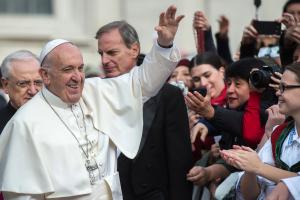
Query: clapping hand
(243, 158)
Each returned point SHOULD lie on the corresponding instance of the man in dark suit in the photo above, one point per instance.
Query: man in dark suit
(159, 170)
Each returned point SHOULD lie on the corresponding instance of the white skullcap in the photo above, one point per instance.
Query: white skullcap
(50, 46)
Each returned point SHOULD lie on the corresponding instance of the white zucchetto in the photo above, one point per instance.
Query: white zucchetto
(50, 46)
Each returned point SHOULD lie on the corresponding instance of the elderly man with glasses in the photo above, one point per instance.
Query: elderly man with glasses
(21, 81)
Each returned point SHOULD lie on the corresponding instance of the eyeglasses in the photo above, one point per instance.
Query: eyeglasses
(282, 87)
(28, 83)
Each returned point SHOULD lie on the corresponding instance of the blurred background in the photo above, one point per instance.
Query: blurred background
(29, 24)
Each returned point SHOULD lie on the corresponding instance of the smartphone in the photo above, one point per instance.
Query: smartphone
(267, 27)
(202, 91)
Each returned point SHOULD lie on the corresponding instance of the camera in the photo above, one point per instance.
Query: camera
(267, 27)
(262, 77)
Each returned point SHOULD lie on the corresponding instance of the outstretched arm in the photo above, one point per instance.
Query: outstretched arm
(161, 61)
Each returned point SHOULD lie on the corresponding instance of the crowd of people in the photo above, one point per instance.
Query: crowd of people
(155, 126)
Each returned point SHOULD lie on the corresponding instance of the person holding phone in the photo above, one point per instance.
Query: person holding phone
(261, 38)
(208, 77)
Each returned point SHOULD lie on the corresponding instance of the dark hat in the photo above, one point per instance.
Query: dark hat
(184, 62)
(242, 68)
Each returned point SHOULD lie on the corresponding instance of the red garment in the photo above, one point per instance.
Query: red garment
(275, 135)
(252, 128)
(1, 196)
(219, 100)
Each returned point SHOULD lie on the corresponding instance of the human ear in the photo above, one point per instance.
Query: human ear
(44, 73)
(135, 50)
(5, 85)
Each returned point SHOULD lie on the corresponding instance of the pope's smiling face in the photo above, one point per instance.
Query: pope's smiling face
(65, 76)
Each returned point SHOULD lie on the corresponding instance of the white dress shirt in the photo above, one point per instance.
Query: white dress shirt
(290, 155)
(293, 185)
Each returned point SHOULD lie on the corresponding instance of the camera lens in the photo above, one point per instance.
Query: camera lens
(260, 78)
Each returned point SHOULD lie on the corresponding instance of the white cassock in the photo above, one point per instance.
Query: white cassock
(39, 155)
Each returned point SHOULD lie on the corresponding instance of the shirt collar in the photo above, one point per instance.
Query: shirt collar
(293, 137)
(57, 102)
(53, 99)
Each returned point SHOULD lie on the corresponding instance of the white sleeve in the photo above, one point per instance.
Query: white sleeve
(265, 153)
(265, 186)
(155, 69)
(293, 185)
(17, 196)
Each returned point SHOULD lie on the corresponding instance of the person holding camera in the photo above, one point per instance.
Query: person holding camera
(279, 158)
(261, 38)
(256, 44)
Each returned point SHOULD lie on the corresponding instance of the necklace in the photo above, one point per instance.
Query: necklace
(90, 163)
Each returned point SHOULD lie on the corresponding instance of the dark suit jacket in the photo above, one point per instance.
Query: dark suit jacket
(6, 114)
(165, 157)
(2, 101)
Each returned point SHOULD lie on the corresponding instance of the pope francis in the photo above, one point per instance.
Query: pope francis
(63, 143)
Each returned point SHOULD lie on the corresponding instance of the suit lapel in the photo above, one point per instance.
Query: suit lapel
(149, 111)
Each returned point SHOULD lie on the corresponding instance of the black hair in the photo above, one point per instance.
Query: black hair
(210, 58)
(242, 68)
(288, 3)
